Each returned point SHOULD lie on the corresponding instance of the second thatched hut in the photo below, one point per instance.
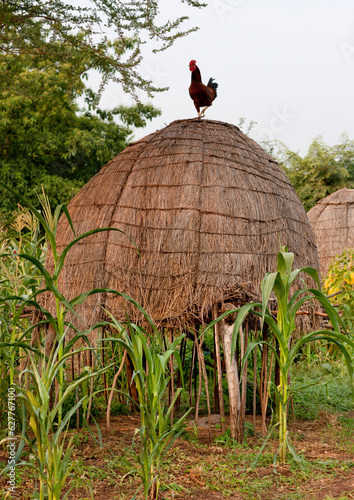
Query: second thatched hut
(332, 221)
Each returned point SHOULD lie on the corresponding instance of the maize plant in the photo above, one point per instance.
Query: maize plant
(151, 378)
(49, 223)
(283, 327)
(17, 278)
(50, 448)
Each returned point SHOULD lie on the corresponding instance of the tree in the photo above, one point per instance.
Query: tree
(46, 140)
(322, 171)
(64, 32)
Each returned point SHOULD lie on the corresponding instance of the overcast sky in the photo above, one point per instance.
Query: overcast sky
(286, 64)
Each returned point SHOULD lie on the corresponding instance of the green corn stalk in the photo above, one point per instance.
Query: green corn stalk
(156, 434)
(49, 223)
(50, 452)
(17, 277)
(51, 448)
(283, 327)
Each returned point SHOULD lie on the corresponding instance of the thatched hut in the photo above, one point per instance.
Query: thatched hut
(208, 209)
(332, 221)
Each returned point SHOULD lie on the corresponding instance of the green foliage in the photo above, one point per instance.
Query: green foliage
(51, 451)
(282, 328)
(48, 423)
(119, 409)
(70, 35)
(320, 389)
(19, 278)
(323, 170)
(340, 281)
(45, 140)
(156, 433)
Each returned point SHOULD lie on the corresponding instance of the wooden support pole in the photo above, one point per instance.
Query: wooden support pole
(77, 392)
(92, 365)
(182, 354)
(219, 368)
(215, 382)
(112, 390)
(233, 382)
(263, 383)
(199, 375)
(255, 386)
(243, 375)
(191, 376)
(105, 381)
(205, 376)
(171, 380)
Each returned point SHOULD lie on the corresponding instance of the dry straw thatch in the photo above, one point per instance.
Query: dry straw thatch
(208, 209)
(332, 221)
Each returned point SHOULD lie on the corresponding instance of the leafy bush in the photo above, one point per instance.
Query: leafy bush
(327, 389)
(340, 281)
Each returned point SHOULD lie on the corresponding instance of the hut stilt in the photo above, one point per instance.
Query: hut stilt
(219, 369)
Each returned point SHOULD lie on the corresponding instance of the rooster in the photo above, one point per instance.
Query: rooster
(202, 95)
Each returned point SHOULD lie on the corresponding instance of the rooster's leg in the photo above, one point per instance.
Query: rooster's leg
(203, 111)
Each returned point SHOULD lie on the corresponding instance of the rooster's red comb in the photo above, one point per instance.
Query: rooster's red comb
(192, 63)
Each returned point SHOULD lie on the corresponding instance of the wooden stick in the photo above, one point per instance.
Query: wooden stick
(263, 383)
(72, 367)
(105, 381)
(191, 377)
(215, 382)
(77, 394)
(169, 385)
(171, 380)
(195, 374)
(112, 390)
(205, 376)
(243, 375)
(92, 364)
(182, 354)
(199, 377)
(218, 364)
(255, 386)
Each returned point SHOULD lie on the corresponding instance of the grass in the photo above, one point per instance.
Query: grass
(342, 431)
(322, 431)
(194, 469)
(332, 395)
(218, 469)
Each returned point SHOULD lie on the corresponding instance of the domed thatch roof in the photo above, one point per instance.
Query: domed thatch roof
(332, 221)
(208, 209)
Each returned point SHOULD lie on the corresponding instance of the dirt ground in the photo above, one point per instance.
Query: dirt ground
(200, 468)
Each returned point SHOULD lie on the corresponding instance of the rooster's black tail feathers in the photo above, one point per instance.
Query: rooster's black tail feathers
(213, 85)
